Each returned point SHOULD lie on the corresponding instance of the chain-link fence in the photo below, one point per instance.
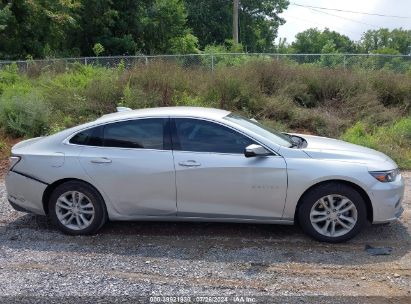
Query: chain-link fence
(396, 63)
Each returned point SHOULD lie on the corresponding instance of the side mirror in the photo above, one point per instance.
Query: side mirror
(256, 150)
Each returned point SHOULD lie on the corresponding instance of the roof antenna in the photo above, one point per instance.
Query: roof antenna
(123, 109)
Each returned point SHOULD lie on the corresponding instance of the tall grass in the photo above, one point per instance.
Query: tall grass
(328, 102)
(394, 140)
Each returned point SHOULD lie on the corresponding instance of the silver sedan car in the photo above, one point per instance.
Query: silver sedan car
(200, 164)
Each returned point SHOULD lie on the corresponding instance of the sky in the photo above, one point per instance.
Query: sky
(300, 18)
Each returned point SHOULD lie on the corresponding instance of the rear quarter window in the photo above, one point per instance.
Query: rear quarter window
(89, 137)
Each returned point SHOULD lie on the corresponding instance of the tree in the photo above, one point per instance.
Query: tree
(397, 39)
(164, 21)
(50, 28)
(211, 22)
(35, 28)
(259, 23)
(95, 19)
(127, 27)
(313, 41)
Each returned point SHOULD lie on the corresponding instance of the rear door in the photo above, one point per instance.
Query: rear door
(214, 179)
(132, 162)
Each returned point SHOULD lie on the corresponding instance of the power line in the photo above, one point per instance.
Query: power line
(347, 11)
(352, 20)
(325, 25)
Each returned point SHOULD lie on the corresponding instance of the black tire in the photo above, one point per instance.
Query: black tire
(311, 197)
(100, 212)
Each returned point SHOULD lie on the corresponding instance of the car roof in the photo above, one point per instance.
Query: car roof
(201, 112)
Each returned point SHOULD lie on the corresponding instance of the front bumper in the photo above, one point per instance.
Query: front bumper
(25, 193)
(386, 199)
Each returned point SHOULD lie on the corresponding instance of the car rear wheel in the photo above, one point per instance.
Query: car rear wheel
(332, 213)
(77, 208)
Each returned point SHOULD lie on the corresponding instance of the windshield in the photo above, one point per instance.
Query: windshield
(256, 127)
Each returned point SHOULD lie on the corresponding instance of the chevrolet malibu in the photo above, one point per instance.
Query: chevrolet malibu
(199, 164)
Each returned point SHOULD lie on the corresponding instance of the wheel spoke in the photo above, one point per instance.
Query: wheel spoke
(73, 197)
(68, 221)
(64, 200)
(325, 228)
(349, 207)
(348, 219)
(319, 219)
(85, 221)
(331, 201)
(342, 203)
(344, 225)
(87, 205)
(65, 215)
(86, 211)
(316, 212)
(332, 232)
(63, 205)
(78, 221)
(80, 197)
(323, 204)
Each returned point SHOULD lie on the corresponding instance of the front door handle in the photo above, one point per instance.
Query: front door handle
(101, 160)
(189, 163)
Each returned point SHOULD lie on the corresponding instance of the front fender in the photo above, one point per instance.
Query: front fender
(306, 173)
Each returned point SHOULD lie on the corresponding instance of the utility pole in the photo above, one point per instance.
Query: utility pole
(235, 20)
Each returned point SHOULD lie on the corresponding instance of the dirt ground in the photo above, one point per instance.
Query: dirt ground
(203, 259)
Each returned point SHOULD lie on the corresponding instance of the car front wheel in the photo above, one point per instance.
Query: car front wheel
(77, 208)
(332, 213)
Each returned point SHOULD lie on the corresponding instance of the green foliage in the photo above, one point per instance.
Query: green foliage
(384, 39)
(23, 112)
(235, 90)
(37, 28)
(392, 89)
(301, 98)
(187, 44)
(331, 61)
(314, 41)
(219, 57)
(72, 28)
(184, 99)
(259, 24)
(5, 16)
(394, 139)
(98, 48)
(8, 75)
(211, 22)
(48, 28)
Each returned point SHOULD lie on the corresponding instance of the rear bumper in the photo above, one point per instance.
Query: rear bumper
(25, 193)
(387, 201)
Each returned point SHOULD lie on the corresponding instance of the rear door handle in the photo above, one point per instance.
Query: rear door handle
(101, 160)
(189, 163)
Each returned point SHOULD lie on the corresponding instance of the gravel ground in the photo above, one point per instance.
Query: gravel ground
(200, 259)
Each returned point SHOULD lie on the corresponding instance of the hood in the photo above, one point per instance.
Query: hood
(328, 148)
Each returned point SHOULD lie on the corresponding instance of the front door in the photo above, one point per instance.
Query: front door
(215, 180)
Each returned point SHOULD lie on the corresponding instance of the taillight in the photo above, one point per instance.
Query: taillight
(13, 161)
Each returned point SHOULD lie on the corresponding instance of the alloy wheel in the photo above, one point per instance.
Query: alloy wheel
(333, 215)
(74, 210)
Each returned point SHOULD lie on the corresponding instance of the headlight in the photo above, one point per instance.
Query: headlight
(386, 176)
(13, 160)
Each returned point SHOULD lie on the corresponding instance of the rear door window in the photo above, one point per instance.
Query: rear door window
(140, 133)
